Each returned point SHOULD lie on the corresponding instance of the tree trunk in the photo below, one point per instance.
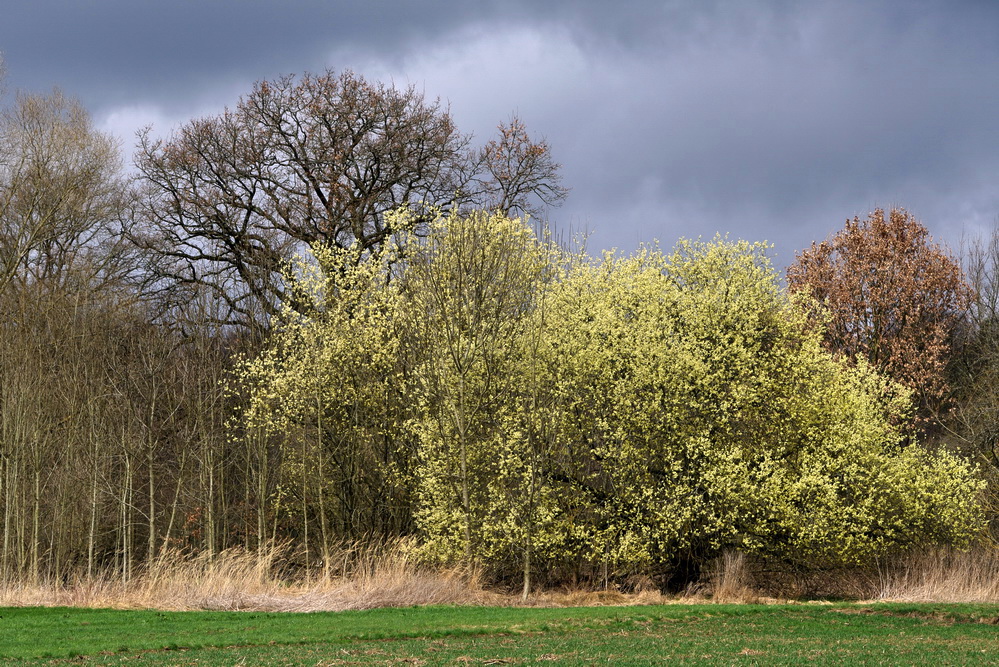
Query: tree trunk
(36, 514)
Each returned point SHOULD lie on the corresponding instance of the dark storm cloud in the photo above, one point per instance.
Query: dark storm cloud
(768, 120)
(117, 50)
(780, 124)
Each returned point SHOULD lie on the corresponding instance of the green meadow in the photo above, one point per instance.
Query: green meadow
(682, 634)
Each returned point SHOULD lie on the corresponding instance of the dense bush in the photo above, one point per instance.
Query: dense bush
(546, 410)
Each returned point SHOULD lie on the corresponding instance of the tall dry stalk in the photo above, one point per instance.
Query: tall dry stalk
(731, 579)
(942, 575)
(359, 576)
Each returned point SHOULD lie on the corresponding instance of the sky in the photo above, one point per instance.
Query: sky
(761, 119)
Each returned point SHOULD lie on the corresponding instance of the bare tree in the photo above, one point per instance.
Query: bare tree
(61, 193)
(519, 175)
(71, 327)
(320, 158)
(974, 369)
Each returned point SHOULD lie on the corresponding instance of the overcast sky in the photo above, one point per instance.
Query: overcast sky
(770, 120)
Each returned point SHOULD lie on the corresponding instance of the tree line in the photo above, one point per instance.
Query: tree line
(325, 315)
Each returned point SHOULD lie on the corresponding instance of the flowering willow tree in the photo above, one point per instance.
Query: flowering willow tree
(327, 394)
(544, 412)
(476, 299)
(707, 415)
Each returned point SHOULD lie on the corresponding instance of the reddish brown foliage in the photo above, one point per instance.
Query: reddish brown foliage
(519, 170)
(893, 296)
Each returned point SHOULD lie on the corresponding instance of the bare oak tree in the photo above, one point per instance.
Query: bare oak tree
(519, 175)
(320, 158)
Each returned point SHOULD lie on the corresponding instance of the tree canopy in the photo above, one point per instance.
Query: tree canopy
(317, 158)
(890, 295)
(381, 349)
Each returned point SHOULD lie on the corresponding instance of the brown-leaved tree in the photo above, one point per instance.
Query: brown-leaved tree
(892, 296)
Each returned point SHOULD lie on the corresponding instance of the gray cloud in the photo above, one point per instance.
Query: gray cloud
(773, 120)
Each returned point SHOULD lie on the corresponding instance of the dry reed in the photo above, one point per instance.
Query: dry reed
(731, 579)
(353, 576)
(384, 574)
(942, 575)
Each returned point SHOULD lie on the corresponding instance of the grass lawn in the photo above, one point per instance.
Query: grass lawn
(684, 634)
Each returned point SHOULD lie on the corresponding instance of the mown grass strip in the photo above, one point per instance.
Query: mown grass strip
(774, 634)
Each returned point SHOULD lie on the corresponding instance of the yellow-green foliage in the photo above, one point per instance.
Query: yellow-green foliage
(542, 410)
(476, 293)
(327, 391)
(710, 417)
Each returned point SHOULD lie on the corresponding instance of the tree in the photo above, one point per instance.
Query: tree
(64, 279)
(517, 171)
(974, 370)
(893, 297)
(554, 414)
(475, 297)
(61, 192)
(98, 407)
(327, 391)
(706, 415)
(414, 392)
(317, 159)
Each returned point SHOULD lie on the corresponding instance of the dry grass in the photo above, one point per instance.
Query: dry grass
(581, 597)
(354, 577)
(930, 575)
(942, 575)
(731, 579)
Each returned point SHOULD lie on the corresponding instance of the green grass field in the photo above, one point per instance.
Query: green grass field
(684, 634)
